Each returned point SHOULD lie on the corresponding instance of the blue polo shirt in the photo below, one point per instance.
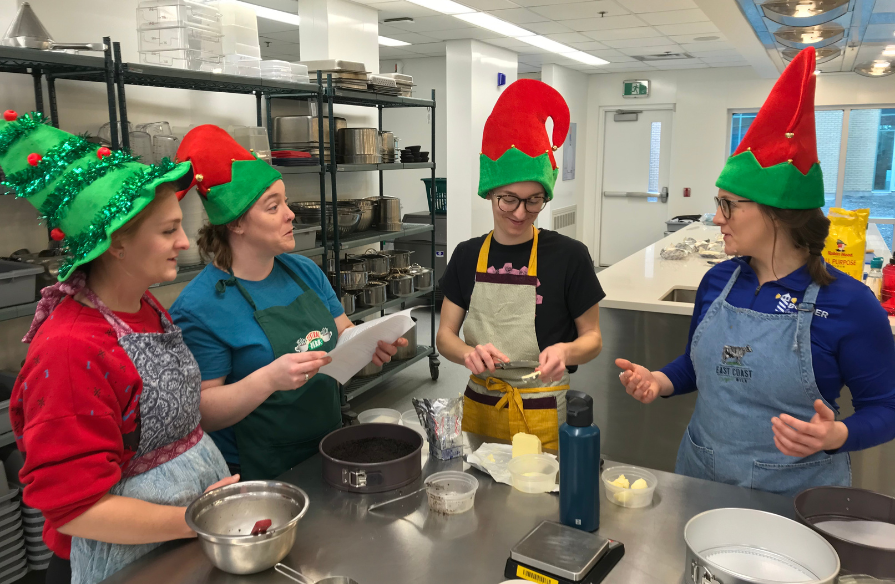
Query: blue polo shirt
(851, 342)
(221, 330)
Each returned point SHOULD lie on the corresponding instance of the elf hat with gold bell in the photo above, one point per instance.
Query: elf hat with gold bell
(82, 191)
(776, 164)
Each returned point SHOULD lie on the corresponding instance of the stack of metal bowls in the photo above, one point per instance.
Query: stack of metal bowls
(368, 212)
(307, 213)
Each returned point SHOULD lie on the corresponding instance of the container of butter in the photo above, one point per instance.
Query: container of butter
(534, 473)
(629, 486)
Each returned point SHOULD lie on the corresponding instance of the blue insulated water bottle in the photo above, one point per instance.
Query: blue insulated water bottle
(579, 464)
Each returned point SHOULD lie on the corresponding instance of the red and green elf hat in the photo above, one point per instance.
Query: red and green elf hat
(228, 177)
(776, 163)
(82, 191)
(515, 145)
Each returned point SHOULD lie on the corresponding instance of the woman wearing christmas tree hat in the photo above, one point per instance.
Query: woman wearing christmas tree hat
(258, 319)
(106, 407)
(525, 297)
(776, 332)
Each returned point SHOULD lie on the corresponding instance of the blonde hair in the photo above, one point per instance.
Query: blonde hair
(127, 230)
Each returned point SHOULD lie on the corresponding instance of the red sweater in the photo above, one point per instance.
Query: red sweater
(73, 413)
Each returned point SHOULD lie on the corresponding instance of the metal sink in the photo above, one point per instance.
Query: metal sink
(687, 295)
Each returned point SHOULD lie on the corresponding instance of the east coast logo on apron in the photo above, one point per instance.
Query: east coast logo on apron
(313, 340)
(732, 367)
(786, 303)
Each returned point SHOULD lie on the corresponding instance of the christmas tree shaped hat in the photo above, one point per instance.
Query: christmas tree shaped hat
(82, 191)
(228, 177)
(776, 163)
(515, 145)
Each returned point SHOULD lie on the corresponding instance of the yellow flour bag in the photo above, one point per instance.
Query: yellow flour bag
(847, 240)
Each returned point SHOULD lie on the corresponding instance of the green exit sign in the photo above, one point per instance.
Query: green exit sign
(636, 88)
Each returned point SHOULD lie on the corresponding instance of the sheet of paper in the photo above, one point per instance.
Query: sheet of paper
(357, 345)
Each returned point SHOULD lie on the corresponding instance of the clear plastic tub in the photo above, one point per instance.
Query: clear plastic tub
(276, 65)
(630, 498)
(534, 473)
(299, 69)
(180, 37)
(180, 59)
(379, 416)
(161, 13)
(237, 14)
(451, 492)
(234, 35)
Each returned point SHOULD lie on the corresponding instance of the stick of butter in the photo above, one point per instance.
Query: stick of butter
(526, 444)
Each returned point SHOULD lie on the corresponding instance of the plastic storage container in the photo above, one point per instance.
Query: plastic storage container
(208, 42)
(166, 13)
(579, 464)
(181, 59)
(533, 473)
(17, 283)
(630, 498)
(237, 14)
(240, 40)
(242, 65)
(379, 416)
(451, 492)
(305, 237)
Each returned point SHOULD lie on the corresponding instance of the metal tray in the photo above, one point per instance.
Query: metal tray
(334, 65)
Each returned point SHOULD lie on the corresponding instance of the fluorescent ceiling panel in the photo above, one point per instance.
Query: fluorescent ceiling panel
(444, 6)
(271, 14)
(494, 24)
(583, 57)
(391, 42)
(547, 44)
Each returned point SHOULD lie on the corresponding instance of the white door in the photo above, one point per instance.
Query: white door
(634, 193)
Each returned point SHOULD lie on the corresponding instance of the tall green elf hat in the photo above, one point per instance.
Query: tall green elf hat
(515, 145)
(228, 177)
(776, 163)
(82, 191)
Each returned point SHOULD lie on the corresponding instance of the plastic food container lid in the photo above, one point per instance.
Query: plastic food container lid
(534, 473)
(379, 416)
(629, 498)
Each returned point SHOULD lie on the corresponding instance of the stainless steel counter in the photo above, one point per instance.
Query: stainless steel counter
(403, 543)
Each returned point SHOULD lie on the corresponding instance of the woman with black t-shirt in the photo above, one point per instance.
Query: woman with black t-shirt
(526, 298)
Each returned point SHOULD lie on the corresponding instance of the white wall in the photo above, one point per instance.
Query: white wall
(472, 91)
(413, 127)
(703, 99)
(573, 86)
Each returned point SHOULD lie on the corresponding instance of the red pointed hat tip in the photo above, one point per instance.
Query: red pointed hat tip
(103, 152)
(10, 116)
(34, 159)
(57, 234)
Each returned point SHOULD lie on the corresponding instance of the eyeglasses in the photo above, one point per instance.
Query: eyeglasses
(727, 205)
(510, 203)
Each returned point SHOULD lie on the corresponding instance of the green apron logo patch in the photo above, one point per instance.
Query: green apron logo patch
(731, 367)
(313, 341)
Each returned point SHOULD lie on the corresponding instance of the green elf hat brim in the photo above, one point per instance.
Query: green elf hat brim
(782, 185)
(249, 180)
(516, 166)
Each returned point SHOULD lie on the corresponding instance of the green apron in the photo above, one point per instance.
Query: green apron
(287, 428)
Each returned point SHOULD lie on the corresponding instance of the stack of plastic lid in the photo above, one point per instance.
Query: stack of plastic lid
(276, 70)
(13, 561)
(300, 73)
(37, 552)
(240, 42)
(179, 33)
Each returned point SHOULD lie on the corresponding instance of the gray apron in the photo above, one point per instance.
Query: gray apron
(502, 312)
(750, 367)
(174, 461)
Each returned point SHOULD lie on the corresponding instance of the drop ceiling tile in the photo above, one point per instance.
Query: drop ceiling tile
(630, 43)
(518, 15)
(532, 3)
(640, 32)
(639, 6)
(402, 8)
(610, 22)
(706, 47)
(637, 66)
(411, 37)
(368, 2)
(489, 4)
(393, 52)
(427, 49)
(568, 38)
(671, 65)
(633, 51)
(612, 56)
(548, 27)
(581, 10)
(525, 68)
(532, 50)
(730, 64)
(508, 43)
(690, 28)
(389, 30)
(674, 17)
(691, 38)
(430, 23)
(462, 33)
(588, 46)
(720, 57)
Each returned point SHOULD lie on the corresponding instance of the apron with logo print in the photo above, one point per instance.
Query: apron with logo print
(502, 312)
(750, 367)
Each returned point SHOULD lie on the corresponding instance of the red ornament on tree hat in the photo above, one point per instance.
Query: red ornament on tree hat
(10, 116)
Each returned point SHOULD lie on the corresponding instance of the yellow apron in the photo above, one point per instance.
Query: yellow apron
(502, 312)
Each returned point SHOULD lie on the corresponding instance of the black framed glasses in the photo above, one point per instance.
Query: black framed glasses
(510, 203)
(728, 205)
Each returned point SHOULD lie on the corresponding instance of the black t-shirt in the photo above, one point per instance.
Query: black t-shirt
(568, 285)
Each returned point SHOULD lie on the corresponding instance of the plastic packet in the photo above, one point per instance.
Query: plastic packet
(847, 241)
(673, 253)
(493, 460)
(443, 421)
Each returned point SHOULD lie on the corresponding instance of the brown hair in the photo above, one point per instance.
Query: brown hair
(214, 245)
(808, 229)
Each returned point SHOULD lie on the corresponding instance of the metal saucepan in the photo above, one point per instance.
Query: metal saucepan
(389, 213)
(400, 285)
(378, 264)
(409, 351)
(374, 294)
(376, 477)
(367, 209)
(422, 277)
(351, 280)
(356, 142)
(348, 264)
(348, 303)
(400, 258)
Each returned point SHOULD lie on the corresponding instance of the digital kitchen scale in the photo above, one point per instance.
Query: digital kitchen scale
(553, 553)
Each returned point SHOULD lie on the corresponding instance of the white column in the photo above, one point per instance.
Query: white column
(337, 29)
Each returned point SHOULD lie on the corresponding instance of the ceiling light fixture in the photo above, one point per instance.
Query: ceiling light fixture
(494, 24)
(546, 44)
(385, 41)
(271, 14)
(444, 6)
(585, 58)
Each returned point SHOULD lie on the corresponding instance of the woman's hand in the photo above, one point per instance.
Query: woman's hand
(295, 369)
(482, 358)
(385, 351)
(639, 382)
(794, 437)
(553, 361)
(223, 483)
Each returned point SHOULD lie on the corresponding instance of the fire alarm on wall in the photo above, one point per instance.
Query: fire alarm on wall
(686, 191)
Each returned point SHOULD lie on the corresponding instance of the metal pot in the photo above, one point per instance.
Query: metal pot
(387, 146)
(359, 145)
(348, 264)
(400, 285)
(422, 277)
(744, 546)
(389, 213)
(374, 294)
(302, 130)
(367, 216)
(348, 303)
(351, 280)
(369, 370)
(223, 519)
(409, 351)
(814, 507)
(400, 258)
(378, 264)
(371, 477)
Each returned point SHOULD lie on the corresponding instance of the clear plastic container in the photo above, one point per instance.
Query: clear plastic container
(180, 37)
(411, 420)
(237, 14)
(299, 69)
(241, 65)
(451, 492)
(164, 13)
(254, 138)
(630, 498)
(534, 473)
(240, 40)
(278, 66)
(180, 59)
(379, 416)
